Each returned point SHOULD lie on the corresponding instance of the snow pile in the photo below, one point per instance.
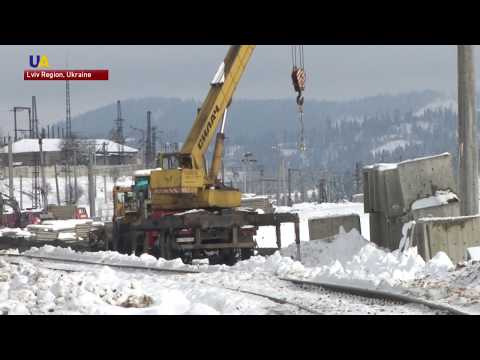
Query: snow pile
(439, 265)
(348, 259)
(276, 264)
(106, 257)
(351, 259)
(440, 198)
(28, 289)
(320, 253)
(369, 266)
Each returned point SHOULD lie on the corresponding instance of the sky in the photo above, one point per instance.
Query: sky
(333, 73)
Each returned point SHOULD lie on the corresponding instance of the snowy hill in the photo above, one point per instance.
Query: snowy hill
(175, 116)
(439, 104)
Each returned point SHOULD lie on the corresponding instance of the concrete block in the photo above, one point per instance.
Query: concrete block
(326, 227)
(450, 235)
(393, 188)
(424, 177)
(386, 232)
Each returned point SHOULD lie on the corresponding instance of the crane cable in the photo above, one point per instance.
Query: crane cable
(299, 78)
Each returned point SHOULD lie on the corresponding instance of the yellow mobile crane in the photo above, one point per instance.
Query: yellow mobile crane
(217, 229)
(184, 183)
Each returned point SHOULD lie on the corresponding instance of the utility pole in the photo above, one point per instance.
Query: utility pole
(15, 124)
(34, 131)
(247, 159)
(21, 192)
(358, 177)
(262, 179)
(42, 174)
(75, 183)
(289, 184)
(154, 145)
(1, 211)
(10, 168)
(467, 131)
(302, 188)
(118, 133)
(67, 201)
(148, 145)
(91, 188)
(68, 116)
(56, 184)
(104, 148)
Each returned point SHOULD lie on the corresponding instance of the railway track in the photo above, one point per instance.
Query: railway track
(367, 296)
(376, 294)
(86, 262)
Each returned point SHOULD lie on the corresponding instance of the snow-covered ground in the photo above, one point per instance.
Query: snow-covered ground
(28, 286)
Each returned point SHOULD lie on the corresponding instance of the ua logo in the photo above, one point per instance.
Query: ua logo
(39, 61)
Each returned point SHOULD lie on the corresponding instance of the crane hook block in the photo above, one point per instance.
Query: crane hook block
(298, 78)
(300, 100)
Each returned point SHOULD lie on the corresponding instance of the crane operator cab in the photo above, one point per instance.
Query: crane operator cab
(174, 161)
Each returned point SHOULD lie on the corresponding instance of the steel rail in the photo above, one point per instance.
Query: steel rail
(86, 262)
(378, 294)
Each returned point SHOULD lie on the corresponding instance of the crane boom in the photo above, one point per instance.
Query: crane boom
(182, 180)
(218, 99)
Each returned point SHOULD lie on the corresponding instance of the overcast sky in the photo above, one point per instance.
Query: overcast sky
(334, 73)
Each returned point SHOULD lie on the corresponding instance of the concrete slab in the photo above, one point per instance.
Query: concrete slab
(327, 227)
(450, 235)
(392, 189)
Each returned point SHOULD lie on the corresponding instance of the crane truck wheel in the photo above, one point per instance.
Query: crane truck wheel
(246, 254)
(115, 237)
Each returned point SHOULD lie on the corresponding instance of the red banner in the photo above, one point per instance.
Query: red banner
(65, 75)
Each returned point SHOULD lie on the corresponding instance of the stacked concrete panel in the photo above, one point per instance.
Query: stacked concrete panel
(391, 190)
(450, 235)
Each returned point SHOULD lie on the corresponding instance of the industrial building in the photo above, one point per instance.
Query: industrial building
(26, 151)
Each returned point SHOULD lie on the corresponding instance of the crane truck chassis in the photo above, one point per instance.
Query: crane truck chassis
(223, 236)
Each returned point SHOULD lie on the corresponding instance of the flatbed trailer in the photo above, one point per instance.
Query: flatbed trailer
(223, 236)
